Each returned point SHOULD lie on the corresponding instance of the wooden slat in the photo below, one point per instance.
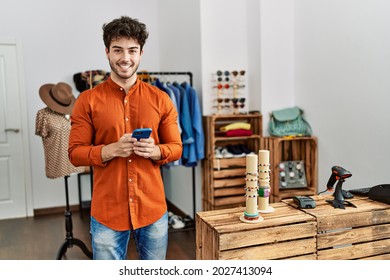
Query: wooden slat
(267, 235)
(356, 251)
(272, 251)
(229, 163)
(351, 236)
(378, 257)
(264, 224)
(308, 257)
(219, 201)
(356, 220)
(232, 172)
(229, 182)
(281, 216)
(199, 237)
(229, 192)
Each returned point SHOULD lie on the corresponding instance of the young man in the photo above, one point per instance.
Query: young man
(128, 192)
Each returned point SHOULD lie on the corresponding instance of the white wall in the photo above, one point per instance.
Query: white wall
(224, 44)
(277, 56)
(330, 57)
(342, 70)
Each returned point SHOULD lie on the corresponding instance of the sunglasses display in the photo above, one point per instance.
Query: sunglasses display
(229, 85)
(234, 100)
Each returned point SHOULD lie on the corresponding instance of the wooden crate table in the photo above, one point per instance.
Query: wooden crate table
(286, 233)
(351, 233)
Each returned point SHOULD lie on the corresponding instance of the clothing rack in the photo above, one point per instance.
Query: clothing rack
(189, 74)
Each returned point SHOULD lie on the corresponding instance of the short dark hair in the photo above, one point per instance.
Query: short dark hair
(125, 27)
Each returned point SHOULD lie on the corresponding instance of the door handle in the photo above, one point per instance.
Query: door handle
(16, 130)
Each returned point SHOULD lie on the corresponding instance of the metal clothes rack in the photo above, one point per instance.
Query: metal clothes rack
(189, 74)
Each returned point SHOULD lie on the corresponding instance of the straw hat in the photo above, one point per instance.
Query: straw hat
(58, 97)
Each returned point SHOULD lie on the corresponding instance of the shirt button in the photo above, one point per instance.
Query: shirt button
(127, 119)
(130, 180)
(129, 160)
(131, 199)
(125, 100)
(121, 89)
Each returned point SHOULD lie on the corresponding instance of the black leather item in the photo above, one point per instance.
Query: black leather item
(380, 193)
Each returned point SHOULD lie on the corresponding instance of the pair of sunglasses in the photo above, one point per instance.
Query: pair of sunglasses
(220, 79)
(226, 73)
(235, 73)
(221, 86)
(221, 106)
(238, 105)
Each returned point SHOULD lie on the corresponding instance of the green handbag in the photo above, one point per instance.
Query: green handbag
(288, 122)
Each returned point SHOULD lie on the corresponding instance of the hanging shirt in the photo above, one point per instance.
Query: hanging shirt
(195, 151)
(171, 94)
(185, 116)
(128, 193)
(54, 129)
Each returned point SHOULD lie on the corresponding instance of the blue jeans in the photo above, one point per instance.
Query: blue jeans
(151, 241)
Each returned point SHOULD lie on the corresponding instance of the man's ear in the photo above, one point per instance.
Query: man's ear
(107, 51)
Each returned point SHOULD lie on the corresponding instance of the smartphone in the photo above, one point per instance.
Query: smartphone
(141, 133)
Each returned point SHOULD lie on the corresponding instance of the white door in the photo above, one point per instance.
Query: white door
(12, 182)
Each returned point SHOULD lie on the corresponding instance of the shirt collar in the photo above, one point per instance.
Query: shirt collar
(118, 88)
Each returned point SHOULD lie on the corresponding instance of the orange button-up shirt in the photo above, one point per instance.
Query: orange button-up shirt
(128, 193)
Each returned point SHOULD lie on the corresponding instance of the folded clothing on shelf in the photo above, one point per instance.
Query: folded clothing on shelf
(236, 125)
(238, 132)
(232, 151)
(222, 152)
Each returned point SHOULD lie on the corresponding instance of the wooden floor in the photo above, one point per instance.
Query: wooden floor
(41, 237)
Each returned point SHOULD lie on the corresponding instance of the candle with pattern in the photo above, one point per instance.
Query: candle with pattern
(251, 214)
(264, 190)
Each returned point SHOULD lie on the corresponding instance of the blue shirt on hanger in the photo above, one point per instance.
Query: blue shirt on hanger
(196, 150)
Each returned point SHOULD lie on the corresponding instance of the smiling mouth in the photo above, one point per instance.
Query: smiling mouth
(125, 66)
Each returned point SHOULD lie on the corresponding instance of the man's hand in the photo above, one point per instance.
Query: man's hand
(147, 149)
(123, 148)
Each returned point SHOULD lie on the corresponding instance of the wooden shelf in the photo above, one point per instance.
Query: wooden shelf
(298, 148)
(224, 179)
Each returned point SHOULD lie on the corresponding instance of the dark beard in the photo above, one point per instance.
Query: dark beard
(121, 76)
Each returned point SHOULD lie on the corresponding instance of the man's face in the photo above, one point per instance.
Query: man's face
(124, 57)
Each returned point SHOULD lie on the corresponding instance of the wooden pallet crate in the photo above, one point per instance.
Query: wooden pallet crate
(224, 179)
(298, 148)
(351, 233)
(287, 233)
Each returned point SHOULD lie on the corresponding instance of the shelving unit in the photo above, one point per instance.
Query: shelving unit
(296, 148)
(224, 179)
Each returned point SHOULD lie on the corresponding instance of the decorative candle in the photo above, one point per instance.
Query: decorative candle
(251, 185)
(251, 214)
(264, 182)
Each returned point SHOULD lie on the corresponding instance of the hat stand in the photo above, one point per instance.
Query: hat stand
(69, 240)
